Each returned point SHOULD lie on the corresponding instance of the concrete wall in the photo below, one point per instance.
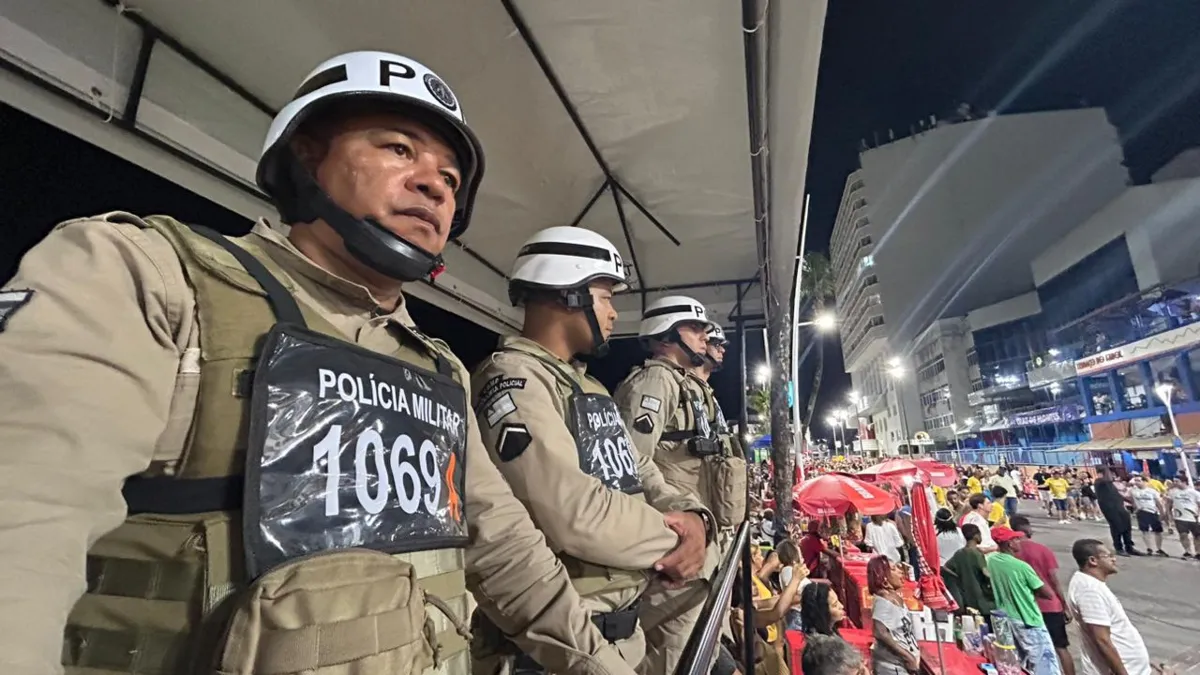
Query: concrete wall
(952, 210)
(1161, 225)
(1019, 307)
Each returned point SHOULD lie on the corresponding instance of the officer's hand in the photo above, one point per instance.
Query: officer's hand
(683, 563)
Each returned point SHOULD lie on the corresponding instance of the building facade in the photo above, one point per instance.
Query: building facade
(941, 222)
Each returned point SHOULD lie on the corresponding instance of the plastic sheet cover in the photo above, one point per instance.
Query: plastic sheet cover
(605, 449)
(349, 448)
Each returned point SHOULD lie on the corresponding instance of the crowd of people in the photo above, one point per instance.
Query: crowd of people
(989, 560)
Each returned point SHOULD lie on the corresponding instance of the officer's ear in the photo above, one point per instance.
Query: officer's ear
(310, 149)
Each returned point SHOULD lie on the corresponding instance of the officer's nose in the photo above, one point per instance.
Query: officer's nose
(426, 179)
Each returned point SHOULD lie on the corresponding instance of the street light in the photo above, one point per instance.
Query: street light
(823, 322)
(1164, 390)
(763, 374)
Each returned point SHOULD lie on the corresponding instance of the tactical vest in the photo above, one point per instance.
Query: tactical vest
(163, 587)
(589, 580)
(696, 431)
(715, 475)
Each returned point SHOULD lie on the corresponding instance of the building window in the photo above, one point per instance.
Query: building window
(1102, 395)
(972, 358)
(977, 385)
(931, 371)
(1135, 391)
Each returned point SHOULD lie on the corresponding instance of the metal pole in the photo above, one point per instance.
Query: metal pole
(797, 436)
(957, 446)
(743, 422)
(903, 418)
(1187, 463)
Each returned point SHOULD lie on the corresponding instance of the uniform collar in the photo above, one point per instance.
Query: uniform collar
(666, 362)
(523, 344)
(286, 255)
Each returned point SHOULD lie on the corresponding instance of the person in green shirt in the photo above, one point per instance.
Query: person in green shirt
(1016, 585)
(967, 577)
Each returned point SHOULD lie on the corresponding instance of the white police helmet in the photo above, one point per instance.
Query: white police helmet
(716, 335)
(664, 314)
(389, 79)
(565, 258)
(568, 260)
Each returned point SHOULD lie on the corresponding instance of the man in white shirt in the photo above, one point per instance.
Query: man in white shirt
(977, 516)
(1184, 502)
(1110, 642)
(1148, 503)
(1006, 478)
(883, 537)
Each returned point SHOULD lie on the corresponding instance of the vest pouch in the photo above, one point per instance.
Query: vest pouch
(726, 478)
(699, 446)
(345, 612)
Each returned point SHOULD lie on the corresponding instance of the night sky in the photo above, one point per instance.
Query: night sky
(885, 64)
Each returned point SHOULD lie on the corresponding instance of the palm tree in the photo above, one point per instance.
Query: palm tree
(818, 287)
(760, 402)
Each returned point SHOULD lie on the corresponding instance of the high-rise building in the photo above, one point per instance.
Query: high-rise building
(945, 221)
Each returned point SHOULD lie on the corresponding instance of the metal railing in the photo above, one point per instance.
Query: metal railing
(702, 643)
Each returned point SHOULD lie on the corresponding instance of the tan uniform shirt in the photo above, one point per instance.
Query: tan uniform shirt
(88, 372)
(579, 514)
(651, 402)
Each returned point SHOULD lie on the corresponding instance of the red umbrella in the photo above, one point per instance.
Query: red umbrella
(834, 494)
(933, 589)
(894, 468)
(942, 475)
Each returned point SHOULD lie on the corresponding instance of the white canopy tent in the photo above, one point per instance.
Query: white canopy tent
(679, 129)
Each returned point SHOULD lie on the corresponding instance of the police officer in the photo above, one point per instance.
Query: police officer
(663, 404)
(558, 438)
(205, 437)
(727, 470)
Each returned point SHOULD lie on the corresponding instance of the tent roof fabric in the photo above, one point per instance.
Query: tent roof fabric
(641, 103)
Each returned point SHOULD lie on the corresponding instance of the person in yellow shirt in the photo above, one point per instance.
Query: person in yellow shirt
(939, 495)
(998, 516)
(1059, 487)
(974, 485)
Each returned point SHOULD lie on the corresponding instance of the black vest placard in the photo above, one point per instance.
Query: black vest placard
(349, 448)
(605, 450)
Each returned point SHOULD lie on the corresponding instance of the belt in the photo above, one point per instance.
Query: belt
(614, 626)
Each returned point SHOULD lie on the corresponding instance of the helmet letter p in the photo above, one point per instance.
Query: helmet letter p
(390, 69)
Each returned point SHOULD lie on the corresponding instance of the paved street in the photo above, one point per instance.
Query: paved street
(1161, 595)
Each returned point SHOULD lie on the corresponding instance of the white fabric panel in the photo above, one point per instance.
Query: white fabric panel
(190, 110)
(660, 85)
(81, 46)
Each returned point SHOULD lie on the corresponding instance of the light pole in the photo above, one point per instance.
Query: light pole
(896, 372)
(967, 424)
(1164, 389)
(823, 322)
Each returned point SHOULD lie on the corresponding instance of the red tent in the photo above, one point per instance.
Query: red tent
(834, 494)
(933, 589)
(943, 475)
(894, 469)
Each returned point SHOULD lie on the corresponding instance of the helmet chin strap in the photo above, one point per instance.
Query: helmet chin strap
(714, 364)
(581, 298)
(695, 359)
(365, 239)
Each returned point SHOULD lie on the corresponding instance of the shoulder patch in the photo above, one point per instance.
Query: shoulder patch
(500, 384)
(514, 439)
(499, 408)
(10, 302)
(651, 403)
(643, 424)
